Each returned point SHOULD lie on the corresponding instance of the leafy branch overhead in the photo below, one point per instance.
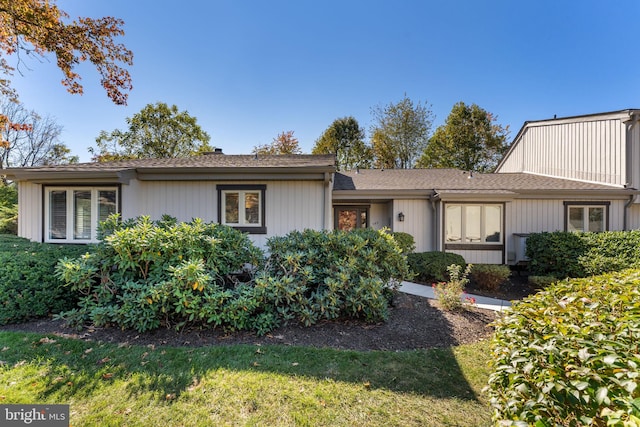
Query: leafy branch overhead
(38, 28)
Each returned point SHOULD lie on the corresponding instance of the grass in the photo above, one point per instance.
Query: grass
(108, 384)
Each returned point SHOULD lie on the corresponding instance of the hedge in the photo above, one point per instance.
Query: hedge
(432, 266)
(28, 288)
(569, 254)
(569, 355)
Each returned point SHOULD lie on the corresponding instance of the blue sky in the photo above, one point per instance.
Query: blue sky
(248, 70)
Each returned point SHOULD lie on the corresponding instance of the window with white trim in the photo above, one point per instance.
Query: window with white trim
(242, 207)
(586, 217)
(473, 223)
(71, 215)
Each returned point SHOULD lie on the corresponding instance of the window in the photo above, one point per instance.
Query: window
(72, 214)
(242, 207)
(348, 218)
(473, 223)
(582, 216)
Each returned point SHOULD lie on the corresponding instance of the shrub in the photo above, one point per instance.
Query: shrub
(568, 355)
(432, 266)
(564, 254)
(405, 241)
(148, 273)
(8, 209)
(542, 281)
(313, 275)
(450, 293)
(28, 288)
(490, 276)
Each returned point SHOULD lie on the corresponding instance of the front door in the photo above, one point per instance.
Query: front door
(351, 217)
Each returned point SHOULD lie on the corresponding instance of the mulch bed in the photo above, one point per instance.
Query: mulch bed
(414, 323)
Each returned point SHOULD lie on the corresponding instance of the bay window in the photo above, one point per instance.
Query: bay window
(72, 214)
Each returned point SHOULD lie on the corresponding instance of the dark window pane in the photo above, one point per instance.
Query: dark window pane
(252, 208)
(106, 204)
(82, 215)
(231, 209)
(58, 214)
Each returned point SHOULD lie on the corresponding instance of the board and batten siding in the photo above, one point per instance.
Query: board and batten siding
(290, 205)
(479, 256)
(418, 221)
(30, 211)
(587, 150)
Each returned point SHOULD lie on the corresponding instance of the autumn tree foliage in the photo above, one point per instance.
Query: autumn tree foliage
(469, 140)
(284, 143)
(38, 28)
(157, 131)
(345, 138)
(400, 133)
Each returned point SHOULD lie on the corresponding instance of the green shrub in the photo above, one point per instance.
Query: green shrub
(28, 288)
(432, 266)
(405, 241)
(490, 276)
(564, 254)
(8, 209)
(449, 294)
(541, 282)
(313, 275)
(568, 355)
(146, 274)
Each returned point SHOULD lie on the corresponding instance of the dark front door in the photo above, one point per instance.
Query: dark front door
(350, 217)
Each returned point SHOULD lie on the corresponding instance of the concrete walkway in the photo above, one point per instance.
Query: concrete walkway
(481, 302)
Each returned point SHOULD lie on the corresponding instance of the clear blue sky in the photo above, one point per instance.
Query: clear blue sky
(248, 70)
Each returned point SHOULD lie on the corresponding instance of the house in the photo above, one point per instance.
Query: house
(576, 173)
(262, 195)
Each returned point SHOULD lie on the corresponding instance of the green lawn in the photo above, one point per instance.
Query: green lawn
(107, 384)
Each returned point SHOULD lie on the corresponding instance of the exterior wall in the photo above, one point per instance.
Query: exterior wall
(591, 150)
(418, 221)
(30, 211)
(290, 205)
(525, 216)
(380, 215)
(634, 217)
(479, 257)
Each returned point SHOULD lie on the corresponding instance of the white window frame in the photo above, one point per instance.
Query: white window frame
(242, 190)
(585, 206)
(483, 222)
(70, 213)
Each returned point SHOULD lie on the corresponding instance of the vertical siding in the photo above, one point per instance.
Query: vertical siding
(587, 151)
(380, 215)
(30, 211)
(480, 257)
(289, 205)
(418, 222)
(634, 217)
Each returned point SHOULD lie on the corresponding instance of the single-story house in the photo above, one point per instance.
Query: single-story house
(576, 173)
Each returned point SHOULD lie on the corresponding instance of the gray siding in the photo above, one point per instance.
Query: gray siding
(30, 211)
(418, 221)
(588, 150)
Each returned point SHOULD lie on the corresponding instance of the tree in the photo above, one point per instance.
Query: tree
(31, 140)
(284, 143)
(38, 27)
(400, 133)
(345, 139)
(469, 140)
(157, 131)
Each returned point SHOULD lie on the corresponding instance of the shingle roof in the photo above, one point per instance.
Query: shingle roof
(453, 180)
(214, 161)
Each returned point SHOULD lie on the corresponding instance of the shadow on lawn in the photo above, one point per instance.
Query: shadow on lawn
(79, 367)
